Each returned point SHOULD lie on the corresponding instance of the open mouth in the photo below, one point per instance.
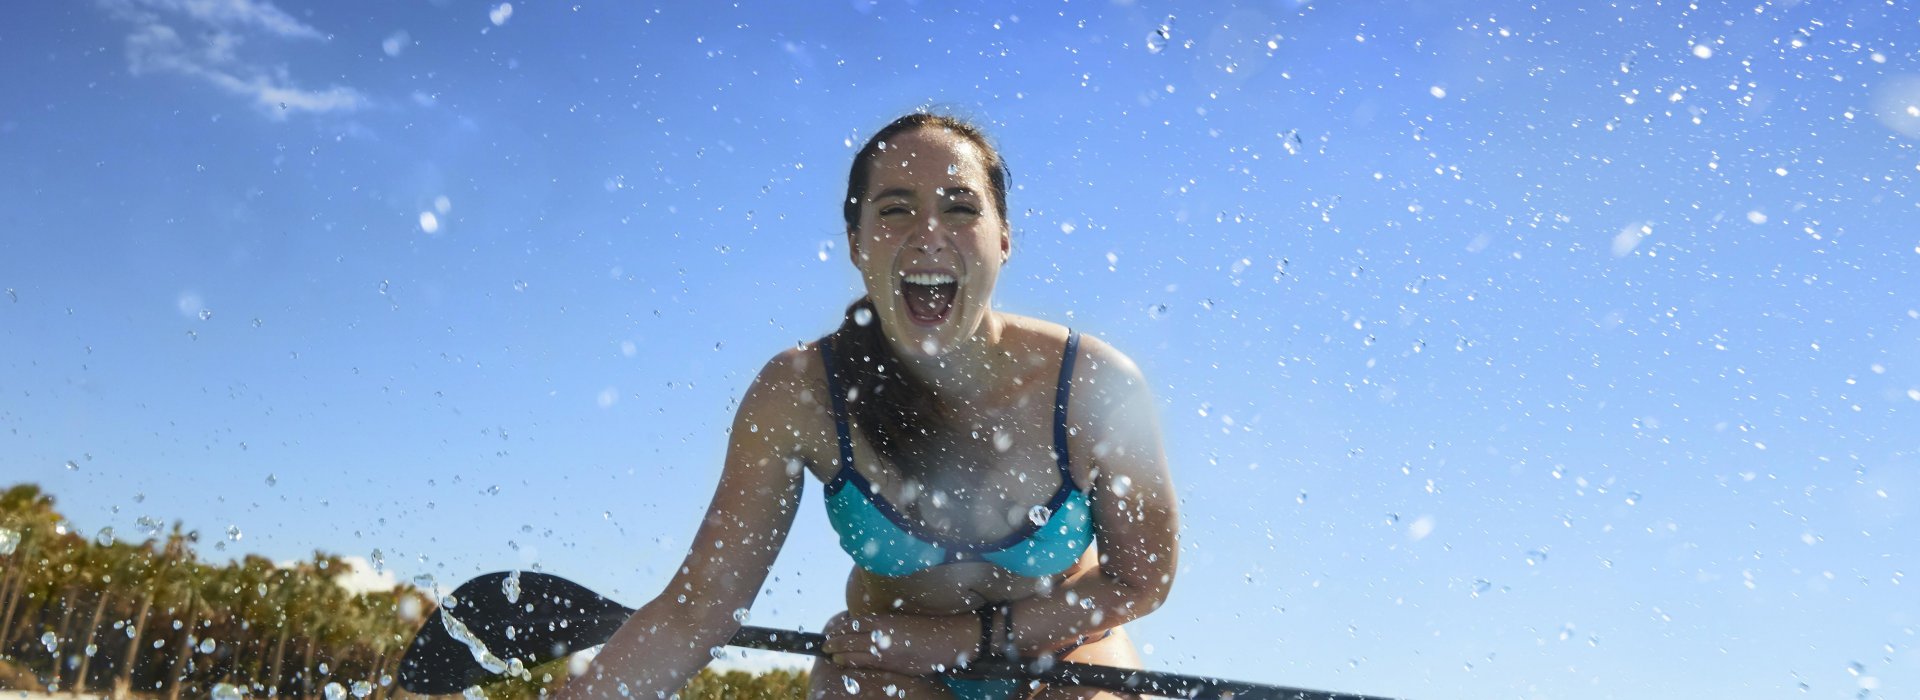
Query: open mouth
(929, 295)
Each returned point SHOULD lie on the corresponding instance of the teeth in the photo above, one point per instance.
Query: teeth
(928, 278)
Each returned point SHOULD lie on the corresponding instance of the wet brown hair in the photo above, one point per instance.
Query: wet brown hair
(896, 413)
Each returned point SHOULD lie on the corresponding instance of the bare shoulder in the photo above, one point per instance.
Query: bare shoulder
(791, 377)
(1103, 373)
(787, 404)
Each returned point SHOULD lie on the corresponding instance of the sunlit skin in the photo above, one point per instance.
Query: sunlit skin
(929, 208)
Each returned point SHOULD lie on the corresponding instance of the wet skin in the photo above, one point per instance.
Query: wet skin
(993, 375)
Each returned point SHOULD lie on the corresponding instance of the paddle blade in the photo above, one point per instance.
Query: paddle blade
(499, 617)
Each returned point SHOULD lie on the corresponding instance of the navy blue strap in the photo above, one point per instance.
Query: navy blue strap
(839, 420)
(1060, 408)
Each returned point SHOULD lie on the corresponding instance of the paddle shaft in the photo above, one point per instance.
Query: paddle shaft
(1124, 680)
(536, 617)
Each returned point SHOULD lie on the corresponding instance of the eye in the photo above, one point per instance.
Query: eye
(895, 209)
(963, 209)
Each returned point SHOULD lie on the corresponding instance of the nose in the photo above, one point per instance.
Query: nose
(928, 240)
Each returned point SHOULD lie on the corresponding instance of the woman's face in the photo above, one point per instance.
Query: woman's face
(930, 241)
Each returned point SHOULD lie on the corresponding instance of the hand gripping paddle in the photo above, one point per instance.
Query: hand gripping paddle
(501, 620)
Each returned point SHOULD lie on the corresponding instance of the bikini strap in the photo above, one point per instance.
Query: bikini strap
(1060, 395)
(839, 417)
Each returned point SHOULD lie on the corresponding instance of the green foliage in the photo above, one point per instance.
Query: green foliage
(153, 616)
(708, 684)
(777, 684)
(260, 617)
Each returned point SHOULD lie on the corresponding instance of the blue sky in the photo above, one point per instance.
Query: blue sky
(1505, 350)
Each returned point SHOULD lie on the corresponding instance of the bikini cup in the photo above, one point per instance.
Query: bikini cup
(884, 541)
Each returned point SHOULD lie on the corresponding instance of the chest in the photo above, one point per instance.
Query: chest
(984, 479)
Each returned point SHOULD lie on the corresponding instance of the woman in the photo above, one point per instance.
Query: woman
(998, 480)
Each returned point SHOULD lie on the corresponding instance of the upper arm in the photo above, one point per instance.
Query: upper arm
(754, 505)
(1135, 509)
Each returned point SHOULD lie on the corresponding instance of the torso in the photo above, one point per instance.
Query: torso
(981, 495)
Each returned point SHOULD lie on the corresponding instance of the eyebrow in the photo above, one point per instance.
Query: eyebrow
(952, 192)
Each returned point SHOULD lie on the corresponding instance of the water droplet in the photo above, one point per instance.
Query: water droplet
(853, 686)
(429, 223)
(379, 559)
(953, 169)
(233, 533)
(9, 540)
(362, 689)
(1535, 556)
(1157, 41)
(383, 287)
(335, 692)
(1480, 586)
(1633, 498)
(271, 480)
(104, 537)
(72, 467)
(1039, 515)
(460, 633)
(91, 648)
(519, 285)
(226, 691)
(862, 316)
(49, 641)
(206, 314)
(1002, 440)
(511, 586)
(206, 646)
(500, 13)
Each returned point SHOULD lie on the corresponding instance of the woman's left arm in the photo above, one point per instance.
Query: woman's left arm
(1135, 512)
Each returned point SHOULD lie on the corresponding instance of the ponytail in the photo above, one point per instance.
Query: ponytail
(895, 412)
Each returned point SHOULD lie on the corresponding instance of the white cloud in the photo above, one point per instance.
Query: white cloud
(209, 50)
(225, 14)
(361, 578)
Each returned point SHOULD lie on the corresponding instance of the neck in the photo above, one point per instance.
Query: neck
(962, 375)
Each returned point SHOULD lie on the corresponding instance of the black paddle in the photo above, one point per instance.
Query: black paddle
(509, 620)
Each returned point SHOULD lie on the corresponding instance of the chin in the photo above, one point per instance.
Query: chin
(929, 342)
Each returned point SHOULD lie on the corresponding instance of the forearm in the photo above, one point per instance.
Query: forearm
(1086, 603)
(653, 655)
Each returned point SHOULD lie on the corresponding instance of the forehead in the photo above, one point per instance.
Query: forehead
(928, 158)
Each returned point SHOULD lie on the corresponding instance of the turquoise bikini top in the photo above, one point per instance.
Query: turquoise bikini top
(884, 541)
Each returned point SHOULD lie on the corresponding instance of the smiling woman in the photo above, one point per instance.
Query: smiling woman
(998, 480)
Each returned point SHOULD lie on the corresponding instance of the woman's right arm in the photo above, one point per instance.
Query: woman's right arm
(670, 638)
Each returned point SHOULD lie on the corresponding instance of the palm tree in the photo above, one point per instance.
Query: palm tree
(189, 580)
(142, 569)
(27, 515)
(285, 599)
(98, 570)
